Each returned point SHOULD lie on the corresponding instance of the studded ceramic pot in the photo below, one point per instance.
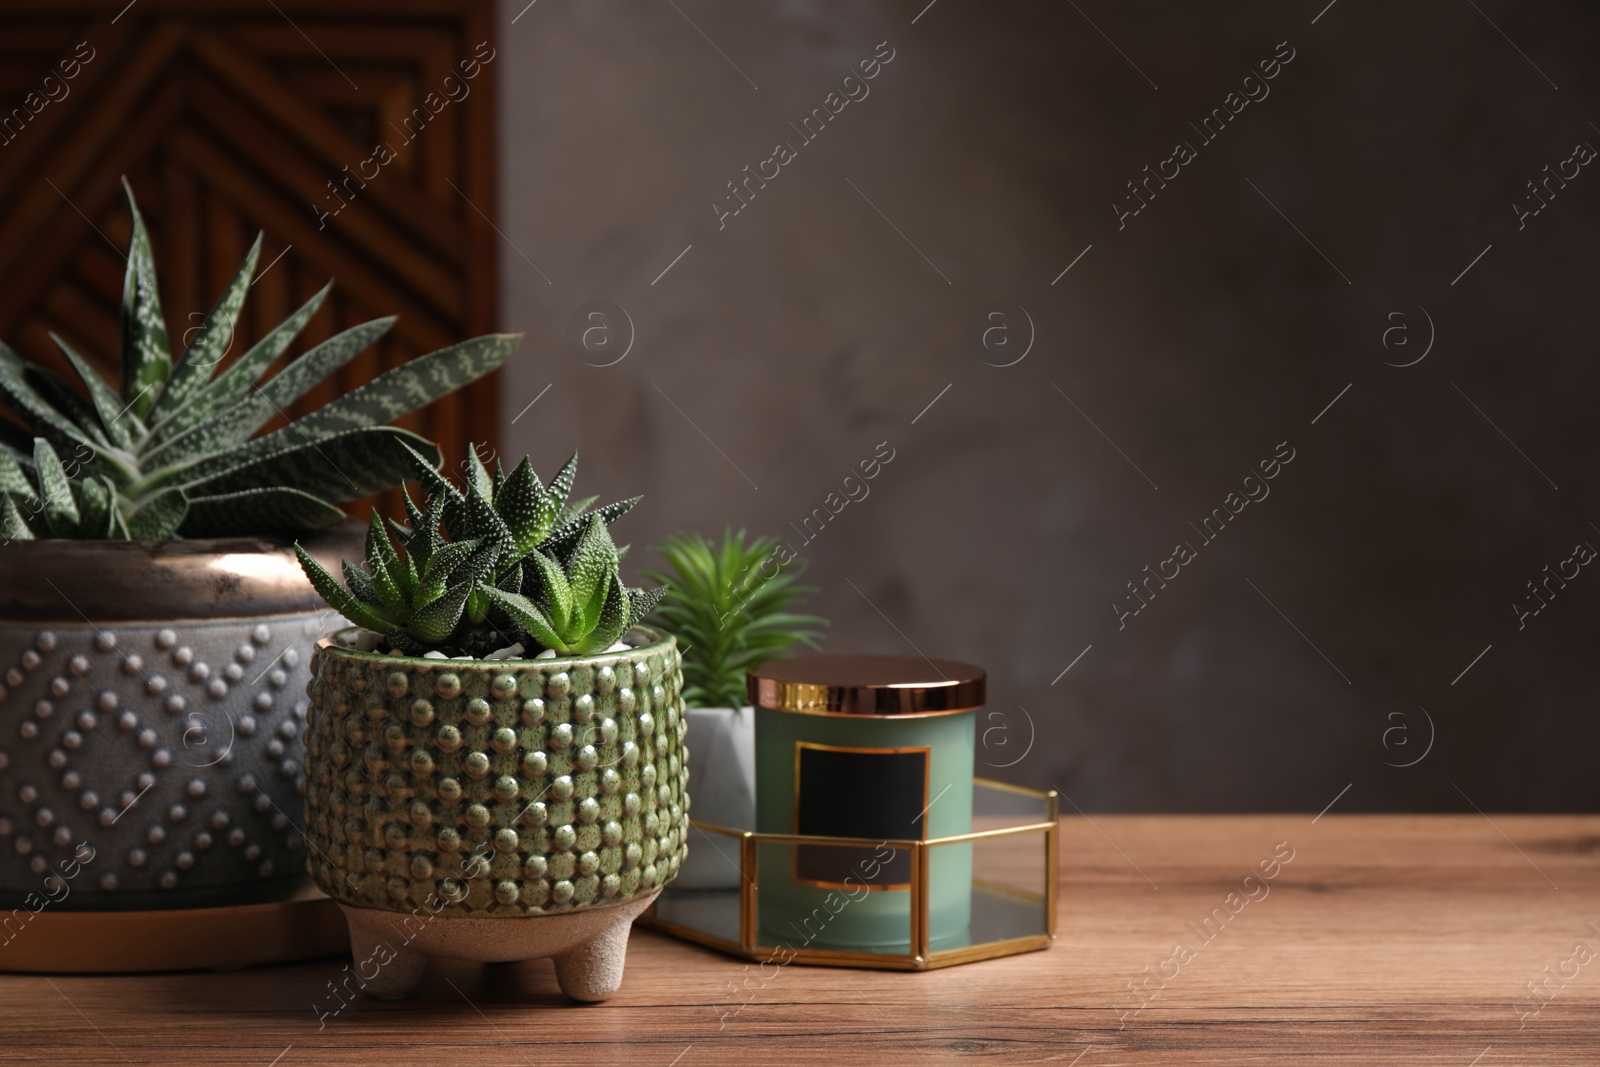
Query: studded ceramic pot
(151, 708)
(480, 789)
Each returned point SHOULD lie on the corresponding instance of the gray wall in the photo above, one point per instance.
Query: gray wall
(1321, 633)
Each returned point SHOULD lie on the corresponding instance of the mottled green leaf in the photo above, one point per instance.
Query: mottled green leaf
(613, 619)
(590, 568)
(94, 508)
(307, 372)
(67, 400)
(642, 602)
(359, 584)
(554, 592)
(566, 535)
(43, 419)
(339, 598)
(12, 525)
(158, 517)
(560, 486)
(411, 386)
(339, 468)
(258, 512)
(14, 482)
(482, 480)
(435, 622)
(526, 615)
(235, 381)
(146, 355)
(520, 503)
(122, 426)
(60, 513)
(212, 340)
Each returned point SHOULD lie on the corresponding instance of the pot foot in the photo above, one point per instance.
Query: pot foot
(593, 971)
(373, 944)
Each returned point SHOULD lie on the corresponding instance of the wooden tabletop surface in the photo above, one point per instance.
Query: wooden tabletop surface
(1383, 940)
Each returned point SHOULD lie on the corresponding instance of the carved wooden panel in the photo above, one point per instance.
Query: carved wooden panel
(357, 136)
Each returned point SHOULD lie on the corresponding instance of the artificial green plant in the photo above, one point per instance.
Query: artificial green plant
(171, 451)
(505, 561)
(728, 613)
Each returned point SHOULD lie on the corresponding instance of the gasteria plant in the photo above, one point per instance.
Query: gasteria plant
(506, 562)
(727, 613)
(172, 450)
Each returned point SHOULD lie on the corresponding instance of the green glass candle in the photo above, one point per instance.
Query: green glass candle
(872, 747)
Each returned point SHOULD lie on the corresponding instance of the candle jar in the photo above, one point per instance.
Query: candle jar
(866, 747)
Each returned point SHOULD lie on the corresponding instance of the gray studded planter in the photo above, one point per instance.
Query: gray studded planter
(151, 707)
(496, 810)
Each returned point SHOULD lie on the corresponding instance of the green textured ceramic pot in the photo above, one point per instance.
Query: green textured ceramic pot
(498, 804)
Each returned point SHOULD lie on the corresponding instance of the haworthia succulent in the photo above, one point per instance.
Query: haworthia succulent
(480, 581)
(177, 444)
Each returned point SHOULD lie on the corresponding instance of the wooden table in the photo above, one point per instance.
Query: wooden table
(1384, 940)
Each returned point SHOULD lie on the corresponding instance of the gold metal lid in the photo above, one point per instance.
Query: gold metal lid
(867, 685)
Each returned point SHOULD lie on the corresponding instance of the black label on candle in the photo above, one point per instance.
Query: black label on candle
(876, 793)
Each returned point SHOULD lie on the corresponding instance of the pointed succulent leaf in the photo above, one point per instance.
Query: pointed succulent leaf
(499, 479)
(212, 340)
(520, 503)
(610, 624)
(395, 602)
(567, 534)
(339, 598)
(14, 482)
(554, 593)
(146, 356)
(158, 517)
(437, 574)
(484, 522)
(360, 584)
(590, 568)
(121, 425)
(67, 400)
(378, 546)
(410, 386)
(642, 602)
(60, 513)
(42, 418)
(278, 510)
(339, 468)
(434, 622)
(94, 508)
(560, 486)
(307, 372)
(526, 615)
(511, 580)
(451, 506)
(12, 525)
(207, 442)
(572, 510)
(235, 381)
(482, 481)
(413, 513)
(119, 525)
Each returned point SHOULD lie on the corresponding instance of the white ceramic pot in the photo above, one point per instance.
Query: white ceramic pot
(722, 777)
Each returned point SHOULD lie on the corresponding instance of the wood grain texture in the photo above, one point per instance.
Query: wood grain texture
(233, 118)
(1386, 939)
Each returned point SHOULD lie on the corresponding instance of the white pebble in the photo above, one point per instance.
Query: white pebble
(548, 653)
(509, 652)
(434, 654)
(620, 647)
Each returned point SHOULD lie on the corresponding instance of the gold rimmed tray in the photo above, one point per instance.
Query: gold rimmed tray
(308, 926)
